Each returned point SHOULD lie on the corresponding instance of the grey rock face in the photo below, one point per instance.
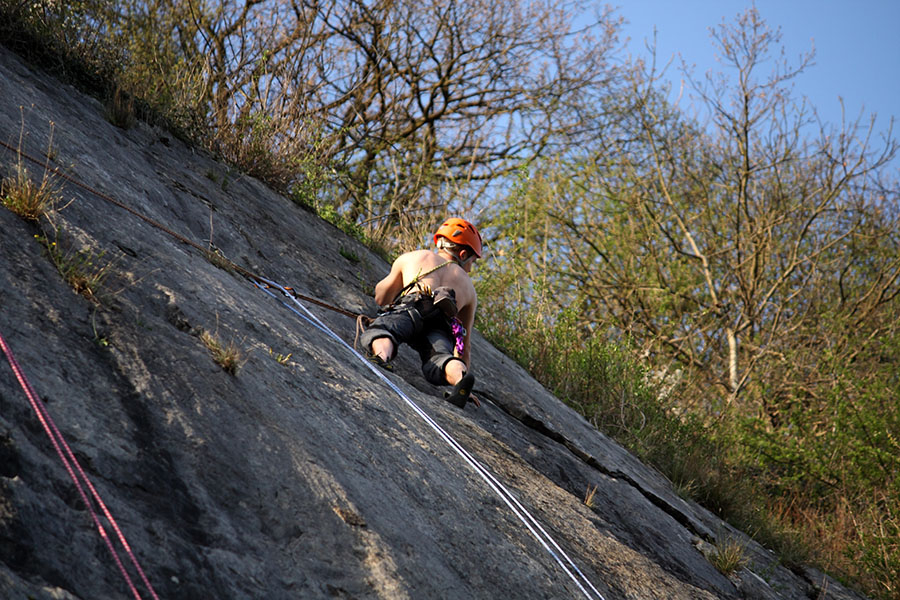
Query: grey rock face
(304, 475)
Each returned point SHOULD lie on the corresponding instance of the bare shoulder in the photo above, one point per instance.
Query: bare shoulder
(414, 263)
(465, 289)
(414, 257)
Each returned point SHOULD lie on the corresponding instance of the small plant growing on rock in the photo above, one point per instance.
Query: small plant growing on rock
(349, 254)
(80, 268)
(589, 496)
(217, 259)
(21, 194)
(227, 356)
(281, 359)
(28, 199)
(120, 109)
(729, 556)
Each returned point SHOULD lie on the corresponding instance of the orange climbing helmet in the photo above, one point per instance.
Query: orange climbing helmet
(460, 231)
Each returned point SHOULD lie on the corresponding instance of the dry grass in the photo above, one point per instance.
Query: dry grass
(81, 269)
(730, 556)
(858, 540)
(120, 110)
(228, 356)
(28, 199)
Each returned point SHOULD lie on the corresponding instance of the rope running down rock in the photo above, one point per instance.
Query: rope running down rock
(206, 252)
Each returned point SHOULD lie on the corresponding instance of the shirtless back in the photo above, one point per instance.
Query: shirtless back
(412, 265)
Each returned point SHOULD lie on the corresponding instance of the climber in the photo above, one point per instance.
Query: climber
(429, 302)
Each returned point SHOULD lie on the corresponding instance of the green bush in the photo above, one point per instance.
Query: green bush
(610, 388)
(822, 488)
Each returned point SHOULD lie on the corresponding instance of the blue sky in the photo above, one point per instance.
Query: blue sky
(857, 46)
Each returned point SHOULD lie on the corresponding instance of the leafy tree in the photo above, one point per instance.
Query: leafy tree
(752, 259)
(433, 103)
(724, 249)
(388, 110)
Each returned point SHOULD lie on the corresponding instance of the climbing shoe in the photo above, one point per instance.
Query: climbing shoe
(386, 365)
(461, 391)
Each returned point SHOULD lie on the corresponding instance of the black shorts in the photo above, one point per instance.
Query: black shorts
(416, 324)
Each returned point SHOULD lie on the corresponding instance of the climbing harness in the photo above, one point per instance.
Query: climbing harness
(362, 321)
(73, 467)
(532, 524)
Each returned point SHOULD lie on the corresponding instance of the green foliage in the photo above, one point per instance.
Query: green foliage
(821, 488)
(349, 254)
(724, 301)
(312, 178)
(139, 59)
(812, 475)
(604, 382)
(62, 37)
(336, 218)
(837, 453)
(876, 547)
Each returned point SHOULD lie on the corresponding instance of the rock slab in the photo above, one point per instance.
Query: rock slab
(303, 475)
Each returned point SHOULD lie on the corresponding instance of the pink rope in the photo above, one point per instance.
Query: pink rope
(68, 459)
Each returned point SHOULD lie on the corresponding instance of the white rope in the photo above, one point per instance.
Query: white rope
(533, 526)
